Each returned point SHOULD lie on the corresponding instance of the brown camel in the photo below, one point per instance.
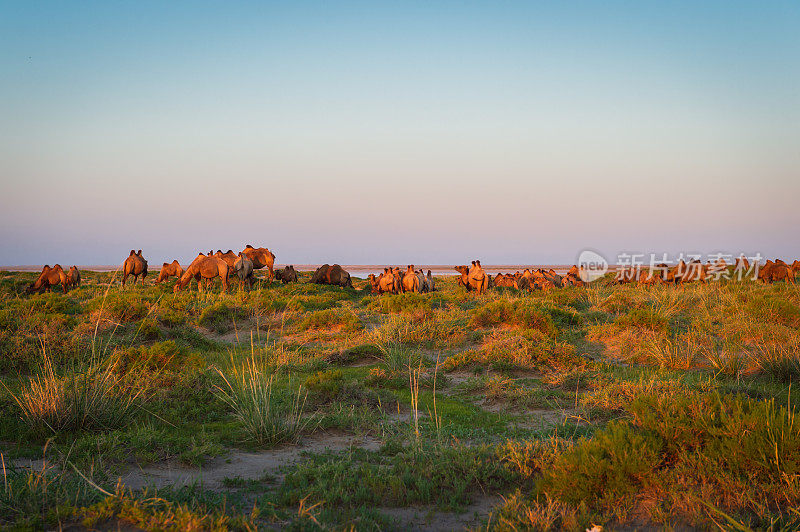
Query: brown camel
(135, 265)
(73, 277)
(385, 282)
(335, 275)
(410, 280)
(475, 278)
(170, 269)
(503, 280)
(695, 271)
(261, 257)
(373, 284)
(49, 278)
(243, 267)
(776, 271)
(204, 269)
(229, 257)
(287, 275)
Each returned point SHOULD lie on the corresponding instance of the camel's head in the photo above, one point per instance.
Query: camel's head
(463, 270)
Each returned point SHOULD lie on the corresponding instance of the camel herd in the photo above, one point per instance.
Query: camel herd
(695, 270)
(205, 268)
(393, 281)
(540, 279)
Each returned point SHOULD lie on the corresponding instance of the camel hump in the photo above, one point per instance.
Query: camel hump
(132, 253)
(165, 264)
(248, 246)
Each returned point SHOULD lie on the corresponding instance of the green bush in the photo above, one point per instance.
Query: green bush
(519, 313)
(121, 306)
(608, 468)
(644, 319)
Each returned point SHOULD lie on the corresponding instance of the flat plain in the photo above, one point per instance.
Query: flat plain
(312, 407)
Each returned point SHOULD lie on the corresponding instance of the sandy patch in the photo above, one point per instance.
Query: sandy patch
(429, 518)
(241, 464)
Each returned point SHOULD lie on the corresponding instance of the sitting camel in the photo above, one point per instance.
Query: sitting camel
(49, 278)
(776, 271)
(135, 265)
(170, 269)
(287, 275)
(205, 269)
(335, 275)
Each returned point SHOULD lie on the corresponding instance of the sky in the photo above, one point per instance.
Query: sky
(398, 132)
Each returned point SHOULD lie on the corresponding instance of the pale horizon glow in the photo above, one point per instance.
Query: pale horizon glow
(373, 133)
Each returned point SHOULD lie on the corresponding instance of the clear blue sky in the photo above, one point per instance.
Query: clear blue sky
(378, 132)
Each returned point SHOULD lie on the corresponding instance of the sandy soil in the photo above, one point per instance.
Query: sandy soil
(241, 464)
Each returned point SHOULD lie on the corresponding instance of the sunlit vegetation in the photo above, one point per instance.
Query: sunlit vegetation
(318, 407)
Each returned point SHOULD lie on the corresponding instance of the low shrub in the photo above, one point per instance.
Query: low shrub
(270, 414)
(518, 313)
(644, 319)
(82, 399)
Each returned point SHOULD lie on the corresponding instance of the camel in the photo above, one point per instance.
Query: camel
(423, 282)
(382, 283)
(243, 267)
(776, 271)
(504, 280)
(431, 282)
(410, 280)
(335, 275)
(553, 277)
(475, 277)
(261, 257)
(49, 278)
(742, 264)
(796, 266)
(229, 257)
(286, 275)
(73, 277)
(389, 282)
(170, 269)
(374, 287)
(205, 269)
(135, 265)
(696, 271)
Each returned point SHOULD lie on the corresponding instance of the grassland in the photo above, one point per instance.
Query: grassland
(309, 407)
